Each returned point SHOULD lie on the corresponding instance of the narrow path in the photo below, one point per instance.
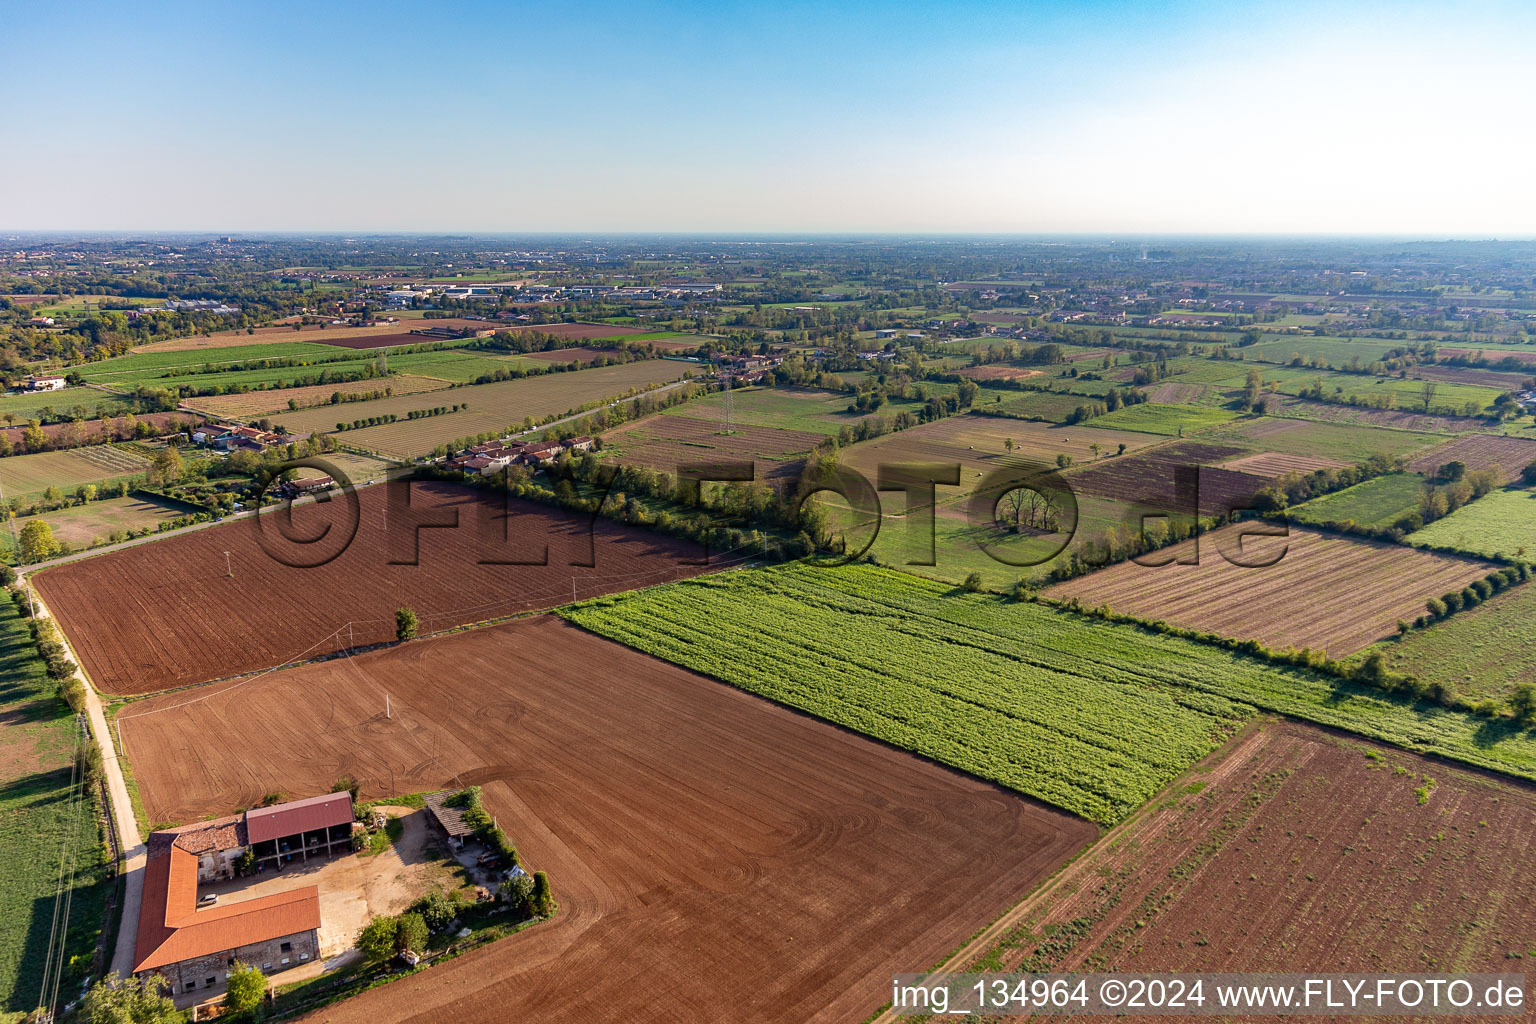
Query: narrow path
(121, 809)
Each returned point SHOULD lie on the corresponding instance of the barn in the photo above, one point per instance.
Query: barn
(194, 947)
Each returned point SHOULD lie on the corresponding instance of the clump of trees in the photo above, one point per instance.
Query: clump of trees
(116, 1000)
(385, 937)
(1472, 595)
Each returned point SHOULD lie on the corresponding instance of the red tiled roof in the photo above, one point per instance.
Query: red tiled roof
(205, 836)
(297, 816)
(172, 929)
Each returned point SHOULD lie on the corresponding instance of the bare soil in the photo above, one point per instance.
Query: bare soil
(997, 372)
(1480, 451)
(1273, 465)
(1296, 850)
(1326, 592)
(177, 617)
(716, 857)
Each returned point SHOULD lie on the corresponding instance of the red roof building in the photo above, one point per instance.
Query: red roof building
(317, 812)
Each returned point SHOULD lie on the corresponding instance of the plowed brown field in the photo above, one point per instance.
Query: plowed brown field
(167, 614)
(1149, 478)
(1325, 592)
(1273, 465)
(1480, 451)
(716, 858)
(1297, 850)
(998, 372)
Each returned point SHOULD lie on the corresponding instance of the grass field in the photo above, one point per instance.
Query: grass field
(28, 406)
(1482, 652)
(37, 738)
(804, 409)
(1503, 522)
(1170, 420)
(1080, 713)
(1376, 503)
(24, 475)
(83, 526)
(256, 403)
(1046, 406)
(490, 407)
(1349, 442)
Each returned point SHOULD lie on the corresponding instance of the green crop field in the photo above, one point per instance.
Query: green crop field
(1503, 522)
(1085, 719)
(1377, 503)
(1483, 652)
(1169, 420)
(1090, 716)
(37, 824)
(24, 475)
(141, 364)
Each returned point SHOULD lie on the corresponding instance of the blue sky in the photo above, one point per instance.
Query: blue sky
(1336, 117)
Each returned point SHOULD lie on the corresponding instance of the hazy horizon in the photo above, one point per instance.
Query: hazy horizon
(1194, 119)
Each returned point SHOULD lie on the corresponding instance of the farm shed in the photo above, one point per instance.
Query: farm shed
(195, 949)
(449, 819)
(317, 826)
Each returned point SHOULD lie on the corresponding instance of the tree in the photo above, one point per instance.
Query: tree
(1252, 388)
(115, 1000)
(1522, 701)
(247, 988)
(348, 783)
(405, 624)
(377, 940)
(518, 891)
(37, 541)
(168, 466)
(542, 903)
(437, 910)
(410, 933)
